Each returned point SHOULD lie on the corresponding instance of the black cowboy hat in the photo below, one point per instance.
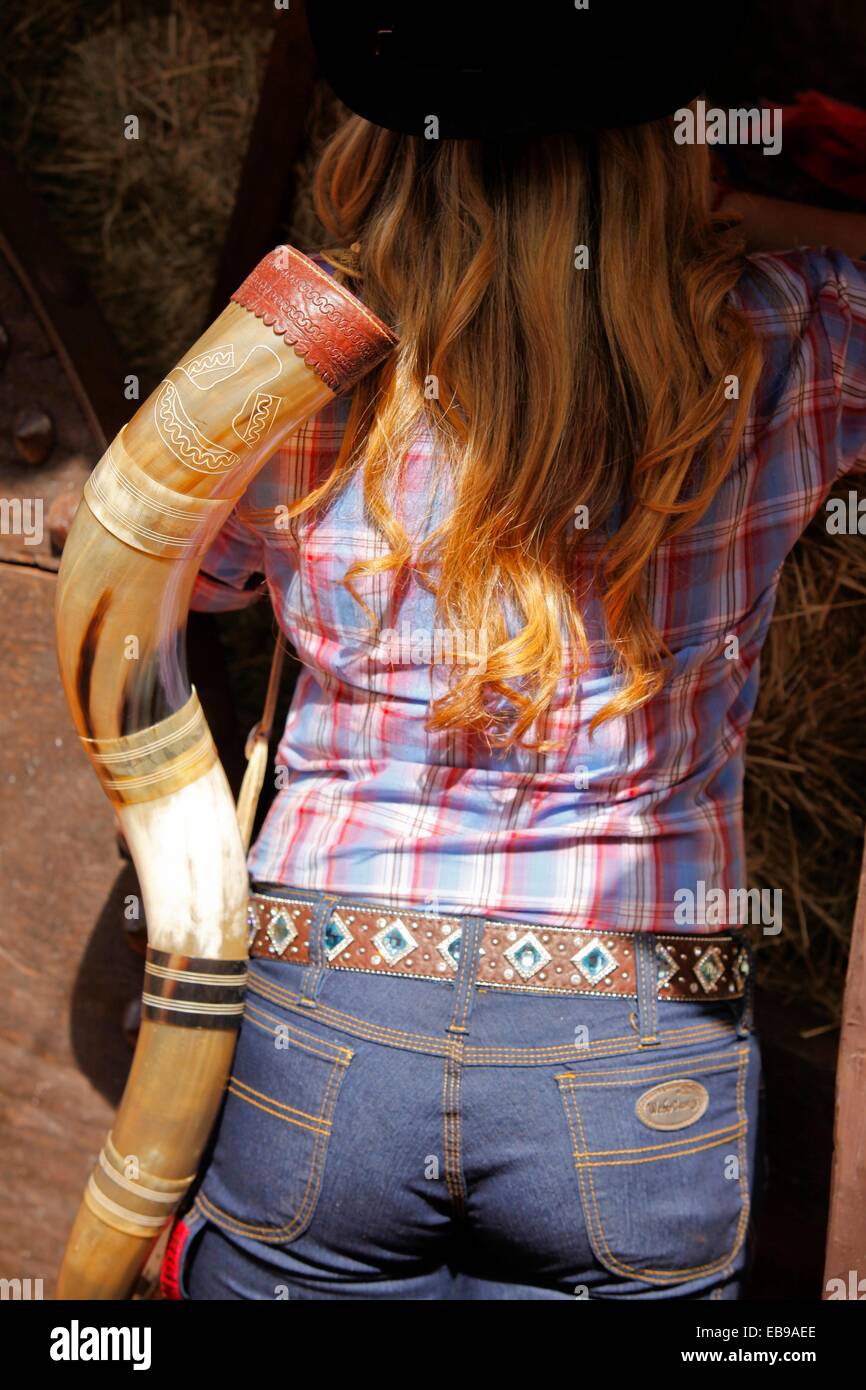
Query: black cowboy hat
(484, 69)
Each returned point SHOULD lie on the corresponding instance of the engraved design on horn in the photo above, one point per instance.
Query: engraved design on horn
(179, 404)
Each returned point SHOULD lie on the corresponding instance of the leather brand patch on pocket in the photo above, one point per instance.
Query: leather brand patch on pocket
(672, 1105)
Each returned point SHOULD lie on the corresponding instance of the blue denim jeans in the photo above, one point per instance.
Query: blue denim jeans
(400, 1138)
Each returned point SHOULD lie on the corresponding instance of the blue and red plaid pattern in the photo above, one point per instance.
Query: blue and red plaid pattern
(607, 832)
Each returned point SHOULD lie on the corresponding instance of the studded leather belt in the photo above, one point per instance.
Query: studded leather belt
(513, 955)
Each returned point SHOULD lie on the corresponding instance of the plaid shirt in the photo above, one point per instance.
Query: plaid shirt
(606, 832)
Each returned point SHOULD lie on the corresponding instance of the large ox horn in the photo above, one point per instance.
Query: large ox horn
(290, 339)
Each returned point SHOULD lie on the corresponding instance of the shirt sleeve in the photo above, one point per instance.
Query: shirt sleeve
(841, 305)
(231, 575)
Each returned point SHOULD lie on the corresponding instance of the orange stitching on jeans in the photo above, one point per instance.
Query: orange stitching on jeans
(456, 1092)
(475, 1056)
(271, 1234)
(593, 1211)
(675, 1075)
(639, 1074)
(565, 1052)
(451, 1121)
(310, 1123)
(272, 1032)
(281, 1105)
(278, 995)
(295, 1034)
(745, 1196)
(732, 1131)
(446, 1129)
(745, 1199)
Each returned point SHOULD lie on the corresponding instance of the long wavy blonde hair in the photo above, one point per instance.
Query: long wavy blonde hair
(557, 387)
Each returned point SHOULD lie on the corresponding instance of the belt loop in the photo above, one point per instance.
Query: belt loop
(467, 970)
(322, 906)
(646, 973)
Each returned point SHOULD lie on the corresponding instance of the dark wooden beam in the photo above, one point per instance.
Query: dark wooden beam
(267, 183)
(59, 297)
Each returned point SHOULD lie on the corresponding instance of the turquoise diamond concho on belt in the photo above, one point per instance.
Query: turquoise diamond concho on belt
(512, 955)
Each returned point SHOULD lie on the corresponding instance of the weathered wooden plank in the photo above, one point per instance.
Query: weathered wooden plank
(793, 1181)
(846, 1237)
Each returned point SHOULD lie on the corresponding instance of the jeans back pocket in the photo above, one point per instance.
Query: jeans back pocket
(662, 1154)
(266, 1168)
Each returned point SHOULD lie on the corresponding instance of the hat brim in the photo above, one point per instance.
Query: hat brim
(486, 107)
(483, 85)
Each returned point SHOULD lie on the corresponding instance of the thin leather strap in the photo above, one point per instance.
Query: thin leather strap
(256, 750)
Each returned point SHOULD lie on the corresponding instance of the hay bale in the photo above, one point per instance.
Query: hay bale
(806, 750)
(146, 216)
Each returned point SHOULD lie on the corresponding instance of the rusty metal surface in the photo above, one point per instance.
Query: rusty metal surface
(68, 972)
(64, 885)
